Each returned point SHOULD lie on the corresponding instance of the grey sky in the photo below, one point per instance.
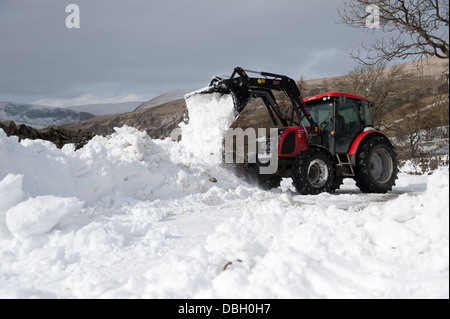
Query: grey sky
(146, 47)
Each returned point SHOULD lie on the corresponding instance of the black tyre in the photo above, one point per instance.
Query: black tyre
(266, 182)
(337, 183)
(313, 172)
(376, 166)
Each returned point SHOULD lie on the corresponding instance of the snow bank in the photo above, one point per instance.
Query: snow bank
(10, 195)
(399, 249)
(39, 215)
(128, 163)
(281, 248)
(126, 167)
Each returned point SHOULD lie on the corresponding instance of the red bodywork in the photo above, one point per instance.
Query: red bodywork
(298, 146)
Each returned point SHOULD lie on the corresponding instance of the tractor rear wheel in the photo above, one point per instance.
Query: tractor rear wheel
(313, 172)
(377, 166)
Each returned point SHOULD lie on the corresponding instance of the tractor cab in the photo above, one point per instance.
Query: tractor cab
(341, 117)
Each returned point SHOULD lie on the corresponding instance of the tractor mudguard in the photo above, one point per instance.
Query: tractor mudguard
(367, 132)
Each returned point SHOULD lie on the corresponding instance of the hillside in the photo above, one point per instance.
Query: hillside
(424, 69)
(39, 116)
(163, 99)
(106, 108)
(159, 120)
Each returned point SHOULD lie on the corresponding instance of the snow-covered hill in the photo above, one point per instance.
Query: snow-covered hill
(163, 98)
(132, 217)
(107, 109)
(39, 116)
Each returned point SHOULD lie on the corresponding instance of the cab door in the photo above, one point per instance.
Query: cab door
(349, 123)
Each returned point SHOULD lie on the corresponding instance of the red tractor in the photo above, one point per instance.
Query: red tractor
(337, 142)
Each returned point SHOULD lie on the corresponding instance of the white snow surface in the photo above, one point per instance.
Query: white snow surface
(129, 217)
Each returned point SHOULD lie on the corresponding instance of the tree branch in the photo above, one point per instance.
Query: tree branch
(425, 21)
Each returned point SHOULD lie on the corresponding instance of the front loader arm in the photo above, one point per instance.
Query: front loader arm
(244, 87)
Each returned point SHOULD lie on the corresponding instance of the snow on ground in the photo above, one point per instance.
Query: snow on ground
(130, 217)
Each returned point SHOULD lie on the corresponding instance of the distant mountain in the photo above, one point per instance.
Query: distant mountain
(164, 99)
(107, 109)
(39, 116)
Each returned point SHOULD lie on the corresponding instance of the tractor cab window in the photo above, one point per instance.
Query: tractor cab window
(365, 113)
(356, 113)
(321, 110)
(350, 112)
(322, 113)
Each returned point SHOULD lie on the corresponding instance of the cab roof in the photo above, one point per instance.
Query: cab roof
(335, 94)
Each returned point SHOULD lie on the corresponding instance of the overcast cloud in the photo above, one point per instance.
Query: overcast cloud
(137, 49)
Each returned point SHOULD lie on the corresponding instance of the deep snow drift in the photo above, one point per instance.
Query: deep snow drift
(132, 217)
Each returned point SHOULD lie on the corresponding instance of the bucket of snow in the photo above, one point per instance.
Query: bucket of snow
(210, 116)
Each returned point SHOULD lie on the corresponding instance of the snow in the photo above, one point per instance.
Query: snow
(11, 195)
(132, 217)
(39, 215)
(211, 113)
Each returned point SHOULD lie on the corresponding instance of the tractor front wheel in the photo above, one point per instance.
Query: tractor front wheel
(313, 172)
(265, 182)
(376, 170)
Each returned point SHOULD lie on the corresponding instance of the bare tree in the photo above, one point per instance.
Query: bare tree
(419, 28)
(412, 129)
(376, 83)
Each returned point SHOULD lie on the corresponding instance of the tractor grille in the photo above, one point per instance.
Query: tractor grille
(288, 146)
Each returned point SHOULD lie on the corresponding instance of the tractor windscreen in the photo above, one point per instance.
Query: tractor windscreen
(321, 110)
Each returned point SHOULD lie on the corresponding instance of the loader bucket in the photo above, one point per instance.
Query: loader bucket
(240, 94)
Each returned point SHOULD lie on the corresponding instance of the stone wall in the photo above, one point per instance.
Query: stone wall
(57, 135)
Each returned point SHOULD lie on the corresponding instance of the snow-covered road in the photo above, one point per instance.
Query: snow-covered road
(127, 217)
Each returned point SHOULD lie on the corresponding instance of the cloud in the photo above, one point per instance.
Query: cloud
(321, 63)
(151, 47)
